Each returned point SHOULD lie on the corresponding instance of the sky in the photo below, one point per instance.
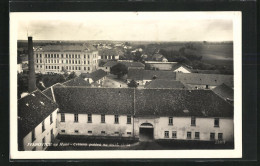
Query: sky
(126, 26)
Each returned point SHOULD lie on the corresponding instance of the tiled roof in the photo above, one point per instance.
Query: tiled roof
(78, 81)
(163, 83)
(68, 48)
(148, 102)
(139, 74)
(224, 91)
(95, 75)
(204, 79)
(127, 64)
(48, 92)
(32, 110)
(108, 101)
(172, 102)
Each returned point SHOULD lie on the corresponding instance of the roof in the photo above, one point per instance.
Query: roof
(205, 71)
(127, 64)
(163, 83)
(67, 48)
(224, 91)
(78, 81)
(148, 102)
(140, 74)
(178, 65)
(173, 102)
(108, 101)
(47, 92)
(107, 52)
(32, 110)
(95, 75)
(204, 79)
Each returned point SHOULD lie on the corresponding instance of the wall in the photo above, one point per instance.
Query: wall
(200, 86)
(182, 69)
(39, 135)
(203, 125)
(96, 126)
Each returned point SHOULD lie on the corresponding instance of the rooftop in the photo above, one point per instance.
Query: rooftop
(204, 79)
(224, 91)
(66, 48)
(32, 110)
(47, 92)
(140, 74)
(148, 102)
(78, 81)
(164, 83)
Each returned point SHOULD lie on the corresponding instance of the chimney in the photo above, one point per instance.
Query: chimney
(31, 79)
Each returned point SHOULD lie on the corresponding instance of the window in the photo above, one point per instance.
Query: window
(76, 131)
(88, 68)
(61, 55)
(103, 118)
(170, 120)
(89, 118)
(43, 142)
(128, 133)
(33, 135)
(220, 136)
(63, 131)
(79, 55)
(84, 68)
(197, 135)
(62, 117)
(174, 134)
(88, 62)
(207, 87)
(89, 132)
(216, 122)
(76, 118)
(103, 132)
(79, 68)
(212, 136)
(188, 135)
(166, 134)
(128, 119)
(43, 126)
(88, 56)
(51, 119)
(116, 119)
(193, 121)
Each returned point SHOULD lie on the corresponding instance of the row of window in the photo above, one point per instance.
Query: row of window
(43, 127)
(107, 56)
(65, 55)
(193, 121)
(90, 132)
(65, 62)
(189, 135)
(89, 119)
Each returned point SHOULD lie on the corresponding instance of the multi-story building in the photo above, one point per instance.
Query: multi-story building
(72, 58)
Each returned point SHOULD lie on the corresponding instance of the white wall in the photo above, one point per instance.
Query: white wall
(182, 70)
(193, 86)
(96, 126)
(39, 135)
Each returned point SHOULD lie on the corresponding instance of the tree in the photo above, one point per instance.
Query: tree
(138, 57)
(119, 69)
(132, 84)
(72, 75)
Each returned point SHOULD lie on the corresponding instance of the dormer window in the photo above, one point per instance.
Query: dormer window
(42, 103)
(27, 104)
(170, 121)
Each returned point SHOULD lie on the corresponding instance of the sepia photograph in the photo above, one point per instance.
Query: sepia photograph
(134, 84)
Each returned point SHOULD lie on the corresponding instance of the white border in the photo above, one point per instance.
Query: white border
(120, 154)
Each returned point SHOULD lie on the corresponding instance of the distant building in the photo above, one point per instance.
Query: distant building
(144, 76)
(171, 66)
(72, 58)
(180, 68)
(37, 124)
(204, 81)
(108, 54)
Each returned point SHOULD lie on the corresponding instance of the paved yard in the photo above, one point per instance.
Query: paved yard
(112, 81)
